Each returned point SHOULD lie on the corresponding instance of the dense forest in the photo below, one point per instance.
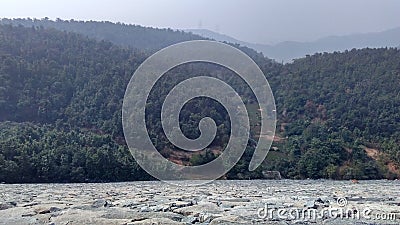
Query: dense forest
(61, 95)
(135, 36)
(346, 101)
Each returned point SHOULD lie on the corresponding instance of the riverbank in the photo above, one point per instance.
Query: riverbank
(219, 202)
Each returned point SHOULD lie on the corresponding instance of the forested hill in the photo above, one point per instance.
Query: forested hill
(60, 111)
(61, 95)
(60, 107)
(135, 36)
(145, 39)
(345, 101)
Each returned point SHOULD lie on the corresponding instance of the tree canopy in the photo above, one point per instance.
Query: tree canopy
(61, 96)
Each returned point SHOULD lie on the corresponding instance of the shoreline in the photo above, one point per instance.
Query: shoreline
(219, 202)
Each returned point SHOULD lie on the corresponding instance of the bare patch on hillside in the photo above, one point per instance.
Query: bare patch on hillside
(372, 153)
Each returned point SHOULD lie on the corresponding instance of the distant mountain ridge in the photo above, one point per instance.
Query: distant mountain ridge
(289, 50)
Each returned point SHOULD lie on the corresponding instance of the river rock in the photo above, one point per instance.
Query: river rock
(219, 202)
(7, 205)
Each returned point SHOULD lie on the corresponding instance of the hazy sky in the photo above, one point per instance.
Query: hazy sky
(261, 21)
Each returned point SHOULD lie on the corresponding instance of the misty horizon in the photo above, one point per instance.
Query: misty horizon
(261, 22)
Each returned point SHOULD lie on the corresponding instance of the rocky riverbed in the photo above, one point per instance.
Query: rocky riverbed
(219, 202)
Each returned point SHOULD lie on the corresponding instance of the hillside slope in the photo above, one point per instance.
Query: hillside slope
(61, 95)
(61, 98)
(135, 36)
(347, 99)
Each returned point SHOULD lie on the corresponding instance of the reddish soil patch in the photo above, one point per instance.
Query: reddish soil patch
(278, 139)
(372, 153)
(393, 168)
(375, 154)
(182, 157)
